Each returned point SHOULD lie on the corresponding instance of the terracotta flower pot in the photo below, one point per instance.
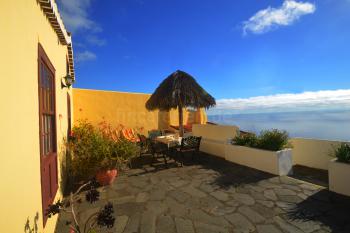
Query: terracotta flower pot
(106, 177)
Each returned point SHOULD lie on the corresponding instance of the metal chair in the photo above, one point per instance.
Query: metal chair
(149, 146)
(144, 144)
(190, 144)
(158, 149)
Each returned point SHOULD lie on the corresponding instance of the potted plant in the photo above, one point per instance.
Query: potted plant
(98, 152)
(123, 152)
(339, 170)
(107, 172)
(118, 153)
(269, 152)
(90, 153)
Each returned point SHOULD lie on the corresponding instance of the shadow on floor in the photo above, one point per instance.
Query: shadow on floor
(150, 164)
(229, 174)
(311, 175)
(326, 207)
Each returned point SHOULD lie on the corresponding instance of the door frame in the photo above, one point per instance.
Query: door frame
(42, 57)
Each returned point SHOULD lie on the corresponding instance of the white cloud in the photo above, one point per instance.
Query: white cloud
(75, 15)
(94, 40)
(85, 56)
(336, 99)
(270, 18)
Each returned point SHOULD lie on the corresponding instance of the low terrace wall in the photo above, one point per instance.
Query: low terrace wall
(214, 137)
(312, 153)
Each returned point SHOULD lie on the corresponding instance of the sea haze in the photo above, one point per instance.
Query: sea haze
(331, 125)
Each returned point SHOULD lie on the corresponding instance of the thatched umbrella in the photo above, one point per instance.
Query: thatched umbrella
(179, 90)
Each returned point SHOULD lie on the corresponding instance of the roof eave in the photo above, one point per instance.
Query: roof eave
(50, 10)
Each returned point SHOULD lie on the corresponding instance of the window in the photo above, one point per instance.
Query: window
(47, 109)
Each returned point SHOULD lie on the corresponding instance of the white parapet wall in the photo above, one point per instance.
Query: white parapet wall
(274, 162)
(312, 152)
(339, 174)
(214, 137)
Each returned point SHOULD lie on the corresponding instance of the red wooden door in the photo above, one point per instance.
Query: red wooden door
(48, 147)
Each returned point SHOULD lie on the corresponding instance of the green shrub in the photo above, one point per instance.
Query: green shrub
(88, 149)
(250, 140)
(273, 140)
(343, 153)
(93, 150)
(123, 151)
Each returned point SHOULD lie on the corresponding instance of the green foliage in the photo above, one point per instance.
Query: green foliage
(250, 140)
(273, 140)
(123, 151)
(343, 153)
(87, 148)
(92, 150)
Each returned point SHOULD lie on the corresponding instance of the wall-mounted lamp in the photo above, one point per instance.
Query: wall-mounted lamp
(67, 81)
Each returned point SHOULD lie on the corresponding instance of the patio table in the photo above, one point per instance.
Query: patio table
(170, 140)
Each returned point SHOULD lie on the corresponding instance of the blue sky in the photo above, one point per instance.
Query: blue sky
(235, 49)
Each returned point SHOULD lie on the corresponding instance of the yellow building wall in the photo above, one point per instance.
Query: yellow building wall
(127, 109)
(23, 25)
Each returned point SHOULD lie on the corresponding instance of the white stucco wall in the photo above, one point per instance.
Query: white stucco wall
(214, 137)
(312, 152)
(274, 162)
(339, 174)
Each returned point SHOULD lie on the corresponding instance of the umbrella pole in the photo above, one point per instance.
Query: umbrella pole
(181, 127)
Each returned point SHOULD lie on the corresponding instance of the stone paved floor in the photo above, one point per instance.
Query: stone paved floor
(212, 195)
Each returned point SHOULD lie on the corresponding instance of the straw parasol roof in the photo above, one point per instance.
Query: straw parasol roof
(179, 90)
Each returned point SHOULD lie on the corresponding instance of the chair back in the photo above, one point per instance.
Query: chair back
(191, 142)
(156, 147)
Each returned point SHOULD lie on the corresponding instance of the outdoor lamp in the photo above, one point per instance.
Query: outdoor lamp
(67, 81)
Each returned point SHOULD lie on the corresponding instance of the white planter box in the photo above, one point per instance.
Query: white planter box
(274, 162)
(339, 174)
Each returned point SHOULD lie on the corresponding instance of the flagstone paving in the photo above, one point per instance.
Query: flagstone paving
(213, 195)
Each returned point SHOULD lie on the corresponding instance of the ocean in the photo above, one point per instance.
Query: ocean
(329, 125)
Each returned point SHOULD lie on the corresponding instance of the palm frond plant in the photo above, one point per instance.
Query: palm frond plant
(179, 90)
(104, 218)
